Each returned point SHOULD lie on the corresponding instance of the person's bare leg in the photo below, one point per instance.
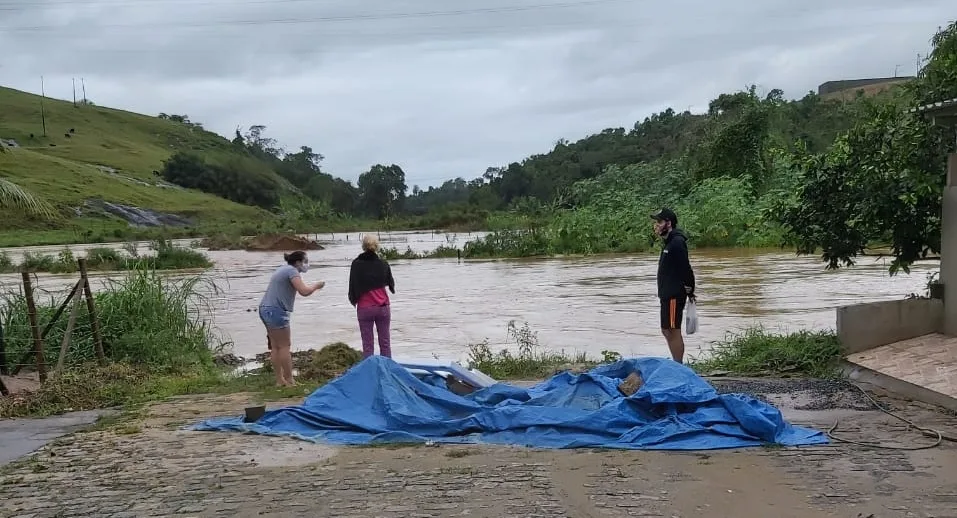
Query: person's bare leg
(282, 345)
(676, 344)
(272, 339)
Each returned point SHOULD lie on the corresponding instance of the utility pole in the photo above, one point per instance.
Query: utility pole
(74, 92)
(43, 116)
(83, 84)
(896, 68)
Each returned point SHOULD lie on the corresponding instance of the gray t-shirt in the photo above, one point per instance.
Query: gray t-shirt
(280, 293)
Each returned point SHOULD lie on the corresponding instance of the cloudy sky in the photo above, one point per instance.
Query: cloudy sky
(446, 88)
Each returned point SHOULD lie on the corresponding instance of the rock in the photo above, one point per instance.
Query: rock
(631, 384)
(138, 217)
(228, 360)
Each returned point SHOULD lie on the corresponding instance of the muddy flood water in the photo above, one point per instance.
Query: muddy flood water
(587, 304)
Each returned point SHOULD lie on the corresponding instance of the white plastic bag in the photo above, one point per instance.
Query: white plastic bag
(691, 318)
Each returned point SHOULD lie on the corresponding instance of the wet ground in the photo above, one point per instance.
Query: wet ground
(151, 467)
(798, 394)
(576, 304)
(20, 437)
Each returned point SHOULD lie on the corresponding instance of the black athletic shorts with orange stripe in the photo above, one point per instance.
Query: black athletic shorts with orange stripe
(672, 311)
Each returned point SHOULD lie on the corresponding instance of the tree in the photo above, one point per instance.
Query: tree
(883, 181)
(300, 167)
(339, 194)
(182, 119)
(937, 79)
(240, 179)
(260, 144)
(738, 142)
(382, 190)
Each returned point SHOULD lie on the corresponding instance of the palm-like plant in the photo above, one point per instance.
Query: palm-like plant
(12, 195)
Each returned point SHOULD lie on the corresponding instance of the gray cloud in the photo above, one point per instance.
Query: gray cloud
(446, 90)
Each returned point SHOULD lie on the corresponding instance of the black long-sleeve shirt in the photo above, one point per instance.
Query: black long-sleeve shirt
(368, 272)
(674, 267)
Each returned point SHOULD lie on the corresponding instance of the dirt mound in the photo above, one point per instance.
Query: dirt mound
(322, 365)
(280, 243)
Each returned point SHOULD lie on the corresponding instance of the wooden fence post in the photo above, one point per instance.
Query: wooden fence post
(3, 354)
(67, 335)
(46, 330)
(91, 308)
(34, 327)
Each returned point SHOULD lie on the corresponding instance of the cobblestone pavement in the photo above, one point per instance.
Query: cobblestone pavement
(150, 467)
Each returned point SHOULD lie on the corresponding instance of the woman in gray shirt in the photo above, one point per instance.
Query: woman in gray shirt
(276, 308)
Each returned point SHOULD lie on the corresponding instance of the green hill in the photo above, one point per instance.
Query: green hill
(92, 155)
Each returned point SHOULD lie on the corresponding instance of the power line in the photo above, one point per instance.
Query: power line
(332, 19)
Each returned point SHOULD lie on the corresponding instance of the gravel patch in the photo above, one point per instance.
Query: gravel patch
(798, 393)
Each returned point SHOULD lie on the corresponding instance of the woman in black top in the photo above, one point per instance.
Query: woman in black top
(369, 276)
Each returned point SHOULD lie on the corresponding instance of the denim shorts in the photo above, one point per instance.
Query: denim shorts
(273, 317)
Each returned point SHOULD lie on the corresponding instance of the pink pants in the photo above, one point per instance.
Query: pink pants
(381, 318)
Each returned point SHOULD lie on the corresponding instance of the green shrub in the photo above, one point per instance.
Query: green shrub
(757, 352)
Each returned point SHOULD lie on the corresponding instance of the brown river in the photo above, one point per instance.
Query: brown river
(585, 304)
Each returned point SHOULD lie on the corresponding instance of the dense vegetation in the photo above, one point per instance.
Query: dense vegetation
(752, 352)
(165, 256)
(830, 176)
(883, 180)
(818, 174)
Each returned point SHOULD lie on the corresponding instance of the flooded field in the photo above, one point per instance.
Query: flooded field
(576, 304)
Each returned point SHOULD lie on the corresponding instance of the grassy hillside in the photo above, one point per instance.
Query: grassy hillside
(850, 94)
(111, 156)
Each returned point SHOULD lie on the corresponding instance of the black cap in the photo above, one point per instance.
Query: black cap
(666, 214)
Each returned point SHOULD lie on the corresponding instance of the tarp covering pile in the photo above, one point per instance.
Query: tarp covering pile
(379, 401)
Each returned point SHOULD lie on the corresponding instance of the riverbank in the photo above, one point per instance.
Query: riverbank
(127, 384)
(165, 256)
(96, 231)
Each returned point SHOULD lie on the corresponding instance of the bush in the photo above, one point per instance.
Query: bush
(240, 179)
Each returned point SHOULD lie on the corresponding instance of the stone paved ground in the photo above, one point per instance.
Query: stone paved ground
(151, 468)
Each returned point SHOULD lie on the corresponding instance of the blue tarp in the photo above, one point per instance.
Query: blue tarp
(379, 401)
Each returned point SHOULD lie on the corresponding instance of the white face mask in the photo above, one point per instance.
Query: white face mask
(304, 266)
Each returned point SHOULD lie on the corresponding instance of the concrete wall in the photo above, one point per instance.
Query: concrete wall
(865, 326)
(948, 247)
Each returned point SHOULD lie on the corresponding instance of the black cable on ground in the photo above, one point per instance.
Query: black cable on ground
(929, 432)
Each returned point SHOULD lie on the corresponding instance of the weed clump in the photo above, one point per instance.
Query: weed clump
(529, 362)
(757, 352)
(319, 366)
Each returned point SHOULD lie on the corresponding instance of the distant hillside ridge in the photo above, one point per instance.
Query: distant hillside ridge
(846, 89)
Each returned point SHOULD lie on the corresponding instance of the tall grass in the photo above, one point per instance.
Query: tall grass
(758, 352)
(442, 251)
(530, 361)
(146, 320)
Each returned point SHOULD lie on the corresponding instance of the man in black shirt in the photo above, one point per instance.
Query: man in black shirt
(675, 280)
